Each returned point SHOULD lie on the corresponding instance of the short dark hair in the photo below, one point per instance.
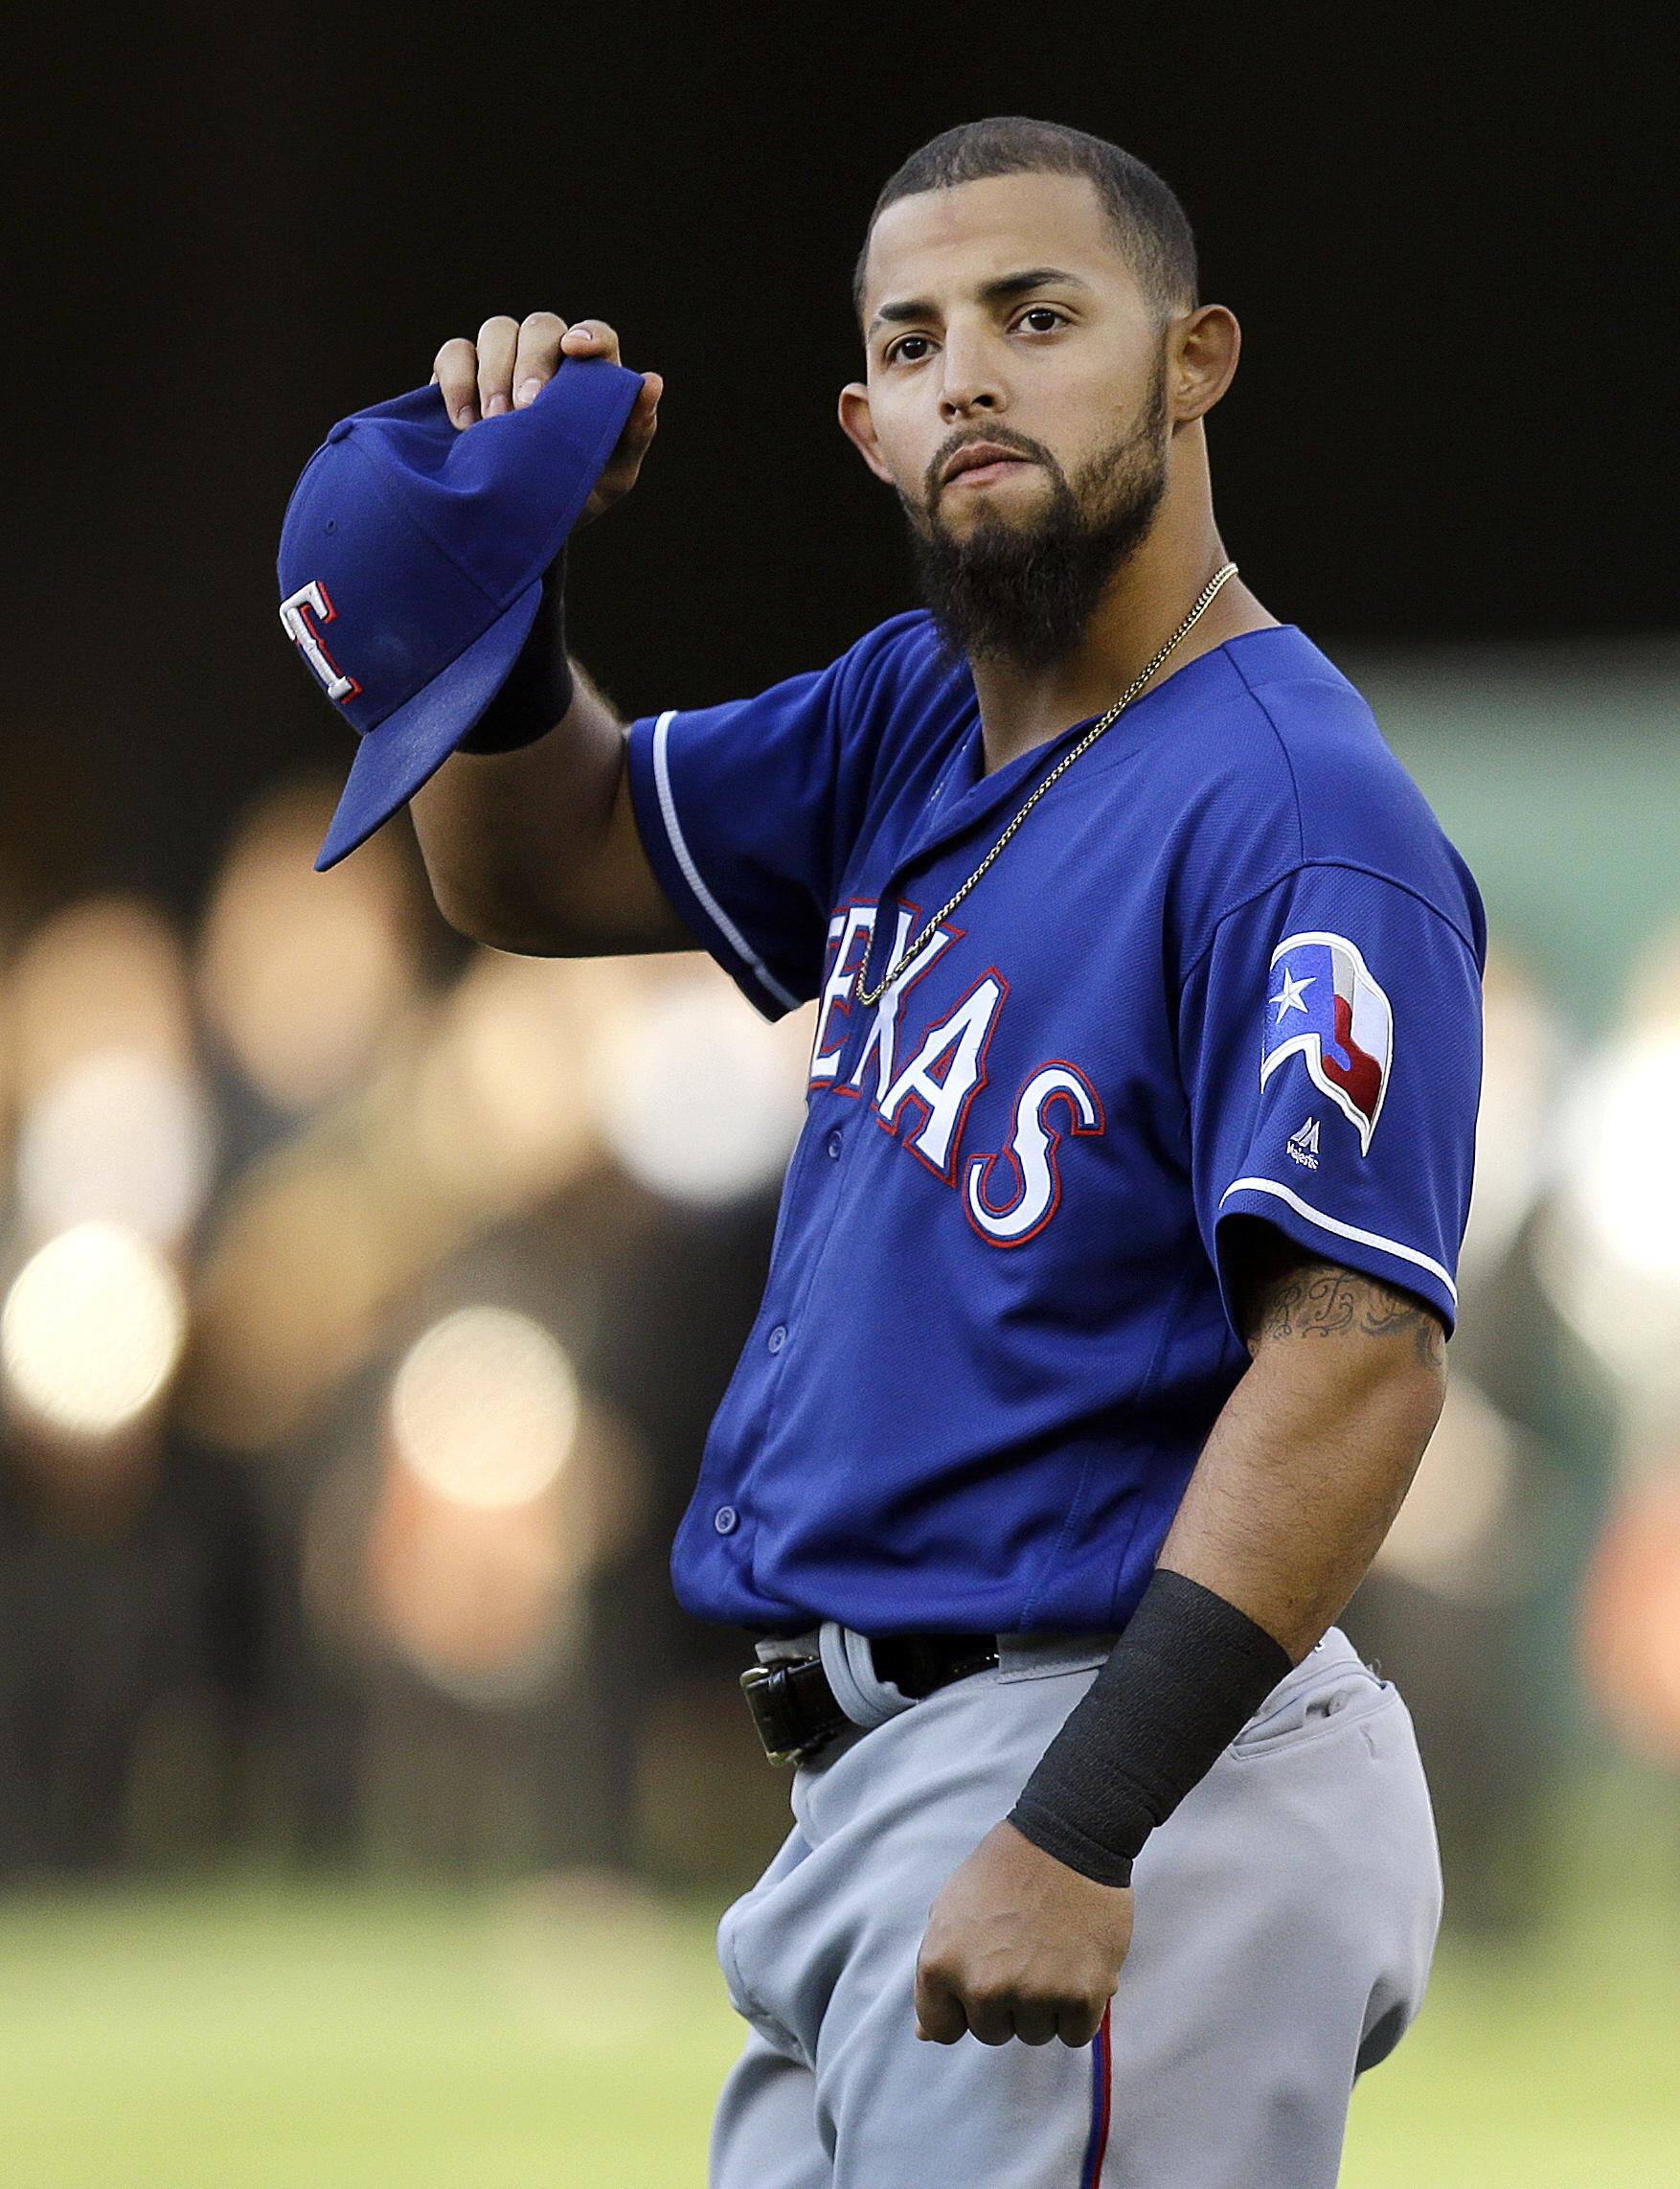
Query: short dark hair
(1152, 227)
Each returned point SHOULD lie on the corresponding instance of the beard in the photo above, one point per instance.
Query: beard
(1023, 593)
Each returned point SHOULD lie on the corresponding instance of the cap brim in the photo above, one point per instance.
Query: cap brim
(410, 746)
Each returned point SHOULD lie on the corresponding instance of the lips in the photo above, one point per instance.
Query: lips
(975, 455)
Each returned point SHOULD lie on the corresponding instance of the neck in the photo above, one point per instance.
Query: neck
(1143, 605)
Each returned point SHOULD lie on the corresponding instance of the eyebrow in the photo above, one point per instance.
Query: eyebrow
(999, 291)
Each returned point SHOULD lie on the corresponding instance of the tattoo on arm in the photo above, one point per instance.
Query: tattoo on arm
(1321, 1299)
(1289, 1295)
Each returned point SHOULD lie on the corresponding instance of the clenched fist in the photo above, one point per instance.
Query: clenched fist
(514, 359)
(1019, 1946)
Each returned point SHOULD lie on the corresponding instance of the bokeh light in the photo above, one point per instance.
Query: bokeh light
(113, 1117)
(1630, 1621)
(502, 1488)
(699, 1098)
(484, 1407)
(1524, 1059)
(498, 1115)
(477, 1599)
(1622, 1155)
(91, 1331)
(1459, 1533)
(303, 975)
(1609, 1252)
(121, 1132)
(107, 972)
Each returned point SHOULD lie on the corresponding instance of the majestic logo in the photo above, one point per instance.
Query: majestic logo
(298, 616)
(1303, 1144)
(1325, 1008)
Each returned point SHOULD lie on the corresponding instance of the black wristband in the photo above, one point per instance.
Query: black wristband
(539, 688)
(1187, 1674)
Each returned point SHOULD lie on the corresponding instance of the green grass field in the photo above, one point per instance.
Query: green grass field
(247, 2036)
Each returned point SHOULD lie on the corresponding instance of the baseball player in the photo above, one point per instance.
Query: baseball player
(1106, 1316)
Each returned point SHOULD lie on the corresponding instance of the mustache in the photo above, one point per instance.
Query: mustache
(1005, 437)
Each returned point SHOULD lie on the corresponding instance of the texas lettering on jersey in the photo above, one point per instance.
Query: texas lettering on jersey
(920, 1086)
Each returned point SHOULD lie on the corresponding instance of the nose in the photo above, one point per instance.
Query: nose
(971, 380)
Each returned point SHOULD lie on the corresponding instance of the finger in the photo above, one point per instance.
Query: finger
(1078, 2020)
(498, 343)
(1035, 2020)
(536, 356)
(455, 370)
(642, 423)
(592, 338)
(939, 2011)
(991, 2020)
(619, 472)
(644, 418)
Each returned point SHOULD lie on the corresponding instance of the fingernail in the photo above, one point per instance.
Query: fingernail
(527, 392)
(496, 404)
(467, 415)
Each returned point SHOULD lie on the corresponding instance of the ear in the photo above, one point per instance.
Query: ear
(1201, 360)
(858, 427)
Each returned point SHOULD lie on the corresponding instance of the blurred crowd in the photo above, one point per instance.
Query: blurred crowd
(365, 1299)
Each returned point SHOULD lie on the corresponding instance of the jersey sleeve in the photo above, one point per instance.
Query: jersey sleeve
(1329, 1037)
(747, 811)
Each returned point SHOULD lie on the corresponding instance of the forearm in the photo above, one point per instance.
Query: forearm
(1294, 1490)
(512, 841)
(1303, 1474)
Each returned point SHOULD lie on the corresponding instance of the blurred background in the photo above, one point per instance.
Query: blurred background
(366, 1802)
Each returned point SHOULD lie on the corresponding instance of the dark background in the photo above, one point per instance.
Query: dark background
(1444, 236)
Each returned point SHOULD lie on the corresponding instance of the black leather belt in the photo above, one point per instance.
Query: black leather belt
(794, 1707)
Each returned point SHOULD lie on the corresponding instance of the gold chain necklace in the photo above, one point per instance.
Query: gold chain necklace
(870, 997)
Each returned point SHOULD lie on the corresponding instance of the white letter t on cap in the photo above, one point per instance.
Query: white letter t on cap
(295, 618)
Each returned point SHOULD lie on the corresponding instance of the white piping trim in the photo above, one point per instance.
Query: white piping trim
(714, 911)
(1342, 1230)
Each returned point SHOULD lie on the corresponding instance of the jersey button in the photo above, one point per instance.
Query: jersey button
(778, 1337)
(725, 1520)
(834, 1146)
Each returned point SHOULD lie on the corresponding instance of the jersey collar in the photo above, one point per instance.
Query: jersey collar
(965, 802)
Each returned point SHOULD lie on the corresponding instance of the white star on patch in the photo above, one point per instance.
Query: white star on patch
(1289, 996)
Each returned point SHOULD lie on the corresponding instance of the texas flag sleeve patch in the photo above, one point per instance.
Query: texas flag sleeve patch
(1329, 1040)
(1325, 1006)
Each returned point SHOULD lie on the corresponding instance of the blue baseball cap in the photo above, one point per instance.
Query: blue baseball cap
(410, 567)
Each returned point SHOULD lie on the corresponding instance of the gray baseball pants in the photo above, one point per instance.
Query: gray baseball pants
(1286, 1913)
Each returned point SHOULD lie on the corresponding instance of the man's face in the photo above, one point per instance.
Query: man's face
(1003, 312)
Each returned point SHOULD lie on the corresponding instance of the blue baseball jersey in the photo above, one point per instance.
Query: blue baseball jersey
(1229, 966)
